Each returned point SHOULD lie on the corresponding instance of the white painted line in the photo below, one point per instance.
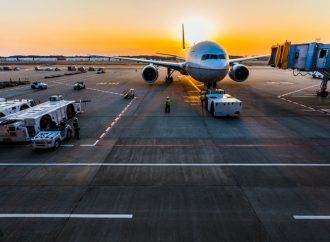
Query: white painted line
(309, 110)
(87, 145)
(307, 96)
(55, 215)
(67, 145)
(97, 90)
(311, 217)
(286, 94)
(171, 164)
(107, 131)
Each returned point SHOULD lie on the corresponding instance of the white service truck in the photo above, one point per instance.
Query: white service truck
(8, 107)
(51, 138)
(218, 103)
(24, 125)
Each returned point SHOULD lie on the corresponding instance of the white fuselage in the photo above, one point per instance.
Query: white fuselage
(207, 62)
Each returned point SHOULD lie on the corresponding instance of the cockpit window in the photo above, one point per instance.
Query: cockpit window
(214, 57)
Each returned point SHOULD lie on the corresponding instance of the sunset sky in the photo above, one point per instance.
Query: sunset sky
(123, 27)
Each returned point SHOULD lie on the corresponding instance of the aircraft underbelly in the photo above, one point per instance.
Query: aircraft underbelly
(207, 75)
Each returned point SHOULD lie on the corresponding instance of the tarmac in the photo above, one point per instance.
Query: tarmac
(139, 174)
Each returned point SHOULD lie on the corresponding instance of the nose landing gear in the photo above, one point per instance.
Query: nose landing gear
(169, 77)
(212, 85)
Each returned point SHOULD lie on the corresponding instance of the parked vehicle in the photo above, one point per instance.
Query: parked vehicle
(79, 85)
(129, 94)
(39, 85)
(91, 68)
(51, 138)
(100, 71)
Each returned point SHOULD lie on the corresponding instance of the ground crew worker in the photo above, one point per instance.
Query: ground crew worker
(168, 105)
(62, 125)
(76, 128)
(203, 99)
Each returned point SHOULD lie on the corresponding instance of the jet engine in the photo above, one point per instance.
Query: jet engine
(150, 74)
(239, 73)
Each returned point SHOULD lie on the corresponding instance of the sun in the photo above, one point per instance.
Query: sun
(198, 29)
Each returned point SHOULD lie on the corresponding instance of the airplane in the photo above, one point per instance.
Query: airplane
(206, 62)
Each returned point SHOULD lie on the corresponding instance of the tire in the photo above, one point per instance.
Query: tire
(212, 109)
(57, 144)
(40, 88)
(69, 134)
(33, 87)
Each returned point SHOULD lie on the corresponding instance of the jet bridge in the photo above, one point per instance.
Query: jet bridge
(307, 57)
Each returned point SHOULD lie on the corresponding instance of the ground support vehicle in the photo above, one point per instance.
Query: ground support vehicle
(24, 125)
(39, 85)
(129, 94)
(223, 105)
(79, 85)
(51, 138)
(8, 107)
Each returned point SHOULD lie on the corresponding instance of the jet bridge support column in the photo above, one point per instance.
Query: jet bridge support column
(323, 89)
(324, 85)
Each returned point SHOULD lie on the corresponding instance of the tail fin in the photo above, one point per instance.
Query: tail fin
(183, 39)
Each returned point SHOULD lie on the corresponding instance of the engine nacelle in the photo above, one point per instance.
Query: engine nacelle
(239, 73)
(150, 74)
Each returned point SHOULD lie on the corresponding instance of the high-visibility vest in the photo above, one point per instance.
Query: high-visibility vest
(168, 102)
(203, 97)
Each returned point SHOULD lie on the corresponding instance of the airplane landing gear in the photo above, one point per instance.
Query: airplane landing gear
(212, 85)
(169, 77)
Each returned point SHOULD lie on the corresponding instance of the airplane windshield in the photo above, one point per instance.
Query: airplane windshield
(214, 57)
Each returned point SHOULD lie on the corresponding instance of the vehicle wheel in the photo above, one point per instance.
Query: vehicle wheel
(212, 109)
(57, 144)
(33, 87)
(40, 88)
(69, 134)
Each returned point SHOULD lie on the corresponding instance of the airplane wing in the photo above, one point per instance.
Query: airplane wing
(231, 61)
(175, 56)
(172, 65)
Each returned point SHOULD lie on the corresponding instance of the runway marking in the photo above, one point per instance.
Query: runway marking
(286, 94)
(93, 89)
(88, 145)
(224, 145)
(299, 104)
(115, 93)
(193, 84)
(202, 145)
(108, 129)
(307, 96)
(309, 110)
(165, 164)
(311, 217)
(64, 215)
